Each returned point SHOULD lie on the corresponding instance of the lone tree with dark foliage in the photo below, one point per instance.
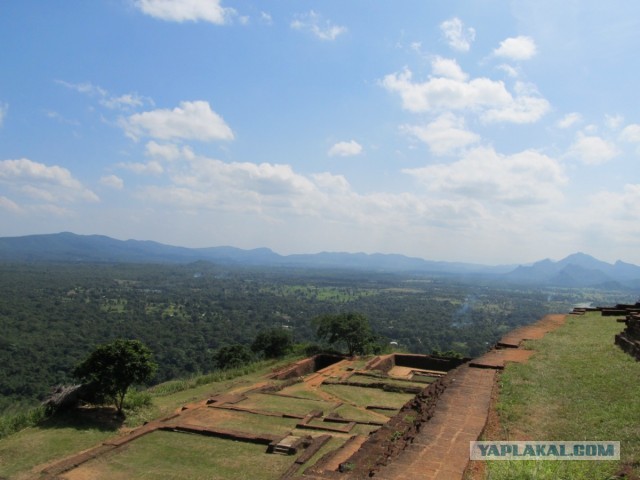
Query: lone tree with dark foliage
(111, 369)
(351, 328)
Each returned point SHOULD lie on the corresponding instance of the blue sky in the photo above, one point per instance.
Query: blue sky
(481, 131)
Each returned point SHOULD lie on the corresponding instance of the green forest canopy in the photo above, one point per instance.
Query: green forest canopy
(52, 316)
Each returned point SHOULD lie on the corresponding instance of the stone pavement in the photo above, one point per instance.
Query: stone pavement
(441, 449)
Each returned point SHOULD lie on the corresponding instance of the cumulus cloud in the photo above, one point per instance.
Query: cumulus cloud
(525, 178)
(613, 122)
(448, 68)
(345, 149)
(37, 181)
(631, 133)
(189, 121)
(169, 152)
(313, 23)
(569, 120)
(445, 135)
(112, 181)
(210, 11)
(457, 36)
(517, 48)
(491, 98)
(592, 150)
(526, 107)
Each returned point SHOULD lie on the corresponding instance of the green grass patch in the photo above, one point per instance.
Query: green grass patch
(365, 379)
(251, 423)
(12, 422)
(173, 456)
(273, 403)
(51, 439)
(301, 390)
(333, 444)
(352, 413)
(57, 437)
(578, 386)
(368, 396)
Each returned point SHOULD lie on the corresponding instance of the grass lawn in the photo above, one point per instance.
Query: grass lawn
(53, 439)
(363, 396)
(578, 386)
(274, 403)
(167, 455)
(333, 444)
(357, 414)
(62, 436)
(250, 423)
(301, 390)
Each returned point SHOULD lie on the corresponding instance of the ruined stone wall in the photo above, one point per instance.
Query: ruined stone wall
(383, 446)
(307, 366)
(629, 338)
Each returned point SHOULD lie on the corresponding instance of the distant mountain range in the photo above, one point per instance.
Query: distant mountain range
(577, 270)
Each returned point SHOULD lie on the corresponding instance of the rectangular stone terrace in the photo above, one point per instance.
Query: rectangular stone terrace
(311, 416)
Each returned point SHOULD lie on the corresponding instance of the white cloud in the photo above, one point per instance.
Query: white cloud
(86, 88)
(41, 182)
(457, 36)
(517, 48)
(482, 174)
(491, 98)
(621, 207)
(613, 122)
(187, 10)
(189, 121)
(345, 149)
(123, 102)
(313, 23)
(4, 108)
(526, 107)
(569, 120)
(509, 70)
(445, 135)
(631, 133)
(112, 181)
(127, 101)
(266, 18)
(149, 168)
(9, 205)
(167, 152)
(448, 68)
(592, 150)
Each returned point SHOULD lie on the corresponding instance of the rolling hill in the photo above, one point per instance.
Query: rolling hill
(577, 270)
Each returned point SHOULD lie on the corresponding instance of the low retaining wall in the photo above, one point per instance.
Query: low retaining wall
(629, 338)
(384, 445)
(418, 362)
(307, 366)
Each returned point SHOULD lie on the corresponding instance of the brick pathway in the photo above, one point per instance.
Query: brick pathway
(441, 449)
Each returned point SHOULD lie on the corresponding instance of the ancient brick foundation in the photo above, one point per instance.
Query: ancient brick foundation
(629, 338)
